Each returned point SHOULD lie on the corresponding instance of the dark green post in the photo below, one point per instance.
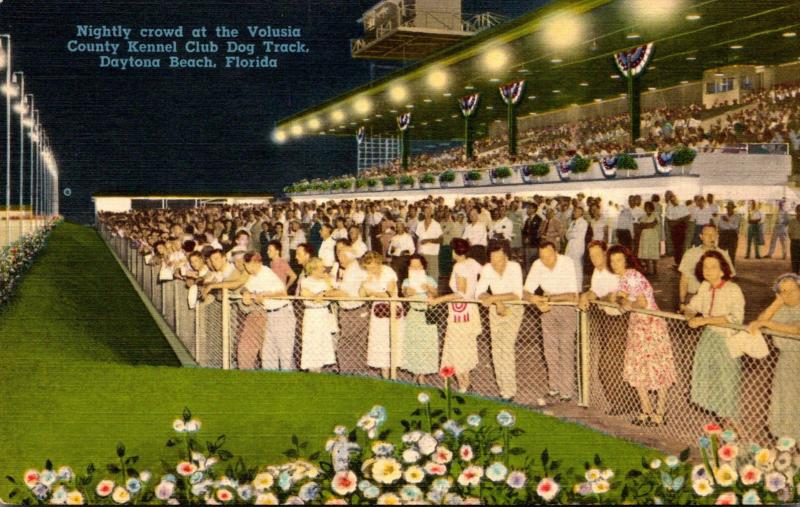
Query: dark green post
(467, 137)
(404, 147)
(512, 129)
(634, 105)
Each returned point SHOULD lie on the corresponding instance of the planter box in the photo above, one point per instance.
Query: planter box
(427, 185)
(391, 187)
(682, 170)
(447, 184)
(502, 181)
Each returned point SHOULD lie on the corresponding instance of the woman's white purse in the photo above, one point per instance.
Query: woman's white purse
(745, 344)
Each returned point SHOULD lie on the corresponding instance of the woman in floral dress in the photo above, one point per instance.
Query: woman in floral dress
(648, 363)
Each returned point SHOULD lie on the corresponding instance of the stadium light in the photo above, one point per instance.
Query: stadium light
(563, 30)
(297, 130)
(337, 116)
(398, 93)
(362, 105)
(495, 59)
(437, 79)
(313, 124)
(655, 12)
(693, 17)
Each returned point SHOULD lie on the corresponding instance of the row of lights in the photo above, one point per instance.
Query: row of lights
(560, 31)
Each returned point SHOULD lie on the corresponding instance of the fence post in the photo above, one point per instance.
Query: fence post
(583, 358)
(394, 337)
(226, 331)
(199, 333)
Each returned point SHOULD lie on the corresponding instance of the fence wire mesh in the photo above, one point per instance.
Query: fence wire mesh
(608, 362)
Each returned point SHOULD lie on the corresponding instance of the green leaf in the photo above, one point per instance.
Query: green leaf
(383, 434)
(517, 432)
(303, 445)
(456, 411)
(112, 468)
(225, 455)
(90, 468)
(406, 425)
(187, 414)
(13, 493)
(554, 465)
(48, 465)
(545, 457)
(460, 400)
(684, 454)
(633, 473)
(437, 412)
(147, 497)
(416, 412)
(220, 441)
(120, 449)
(131, 460)
(294, 440)
(290, 453)
(171, 442)
(132, 471)
(516, 451)
(586, 465)
(597, 461)
(624, 492)
(11, 479)
(314, 456)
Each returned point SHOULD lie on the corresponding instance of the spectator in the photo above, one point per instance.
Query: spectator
(576, 244)
(783, 316)
(348, 276)
(604, 283)
(327, 249)
(500, 283)
(779, 232)
(319, 324)
(302, 254)
(263, 287)
(555, 275)
(475, 232)
(264, 239)
(359, 247)
(420, 354)
(715, 374)
(401, 248)
(625, 223)
(753, 230)
(689, 285)
(463, 319)
(649, 247)
(648, 364)
(429, 234)
(677, 224)
(530, 235)
(279, 265)
(729, 224)
(793, 228)
(551, 230)
(380, 282)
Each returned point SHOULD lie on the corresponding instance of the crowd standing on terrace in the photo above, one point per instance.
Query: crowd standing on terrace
(492, 252)
(769, 116)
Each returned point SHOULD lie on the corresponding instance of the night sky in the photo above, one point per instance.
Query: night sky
(185, 130)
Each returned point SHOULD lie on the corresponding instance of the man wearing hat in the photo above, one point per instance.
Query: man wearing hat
(729, 230)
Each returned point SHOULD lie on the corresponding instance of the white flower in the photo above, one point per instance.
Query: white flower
(121, 495)
(517, 479)
(389, 499)
(775, 481)
(266, 499)
(65, 474)
(656, 463)
(145, 476)
(726, 475)
(785, 444)
(75, 498)
(466, 453)
(263, 481)
(471, 476)
(505, 419)
(547, 489)
(104, 488)
(443, 455)
(59, 496)
(600, 486)
(672, 461)
(427, 444)
(607, 474)
(592, 474)
(344, 482)
(178, 425)
(496, 472)
(165, 490)
(702, 487)
(414, 475)
(411, 437)
(411, 456)
(496, 449)
(423, 398)
(386, 470)
(192, 426)
(47, 477)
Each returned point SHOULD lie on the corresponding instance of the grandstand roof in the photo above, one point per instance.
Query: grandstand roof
(694, 36)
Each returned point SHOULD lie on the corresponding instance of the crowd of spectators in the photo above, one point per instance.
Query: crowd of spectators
(493, 252)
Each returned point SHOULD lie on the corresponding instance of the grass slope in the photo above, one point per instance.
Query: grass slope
(83, 367)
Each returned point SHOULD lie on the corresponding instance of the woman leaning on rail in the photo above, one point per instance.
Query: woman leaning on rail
(783, 316)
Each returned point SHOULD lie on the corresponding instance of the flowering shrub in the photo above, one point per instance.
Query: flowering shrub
(16, 258)
(445, 456)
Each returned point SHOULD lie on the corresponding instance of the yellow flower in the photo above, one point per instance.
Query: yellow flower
(765, 458)
(414, 475)
(266, 499)
(263, 481)
(121, 495)
(725, 475)
(592, 474)
(702, 487)
(389, 499)
(74, 498)
(386, 470)
(600, 487)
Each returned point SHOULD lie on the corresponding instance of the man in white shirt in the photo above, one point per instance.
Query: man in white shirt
(689, 284)
(677, 224)
(429, 235)
(348, 276)
(501, 282)
(503, 227)
(223, 274)
(263, 285)
(576, 243)
(555, 275)
(624, 226)
(327, 250)
(475, 233)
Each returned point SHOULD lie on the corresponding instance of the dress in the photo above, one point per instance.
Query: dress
(463, 321)
(379, 345)
(785, 405)
(648, 361)
(318, 328)
(421, 344)
(716, 376)
(649, 248)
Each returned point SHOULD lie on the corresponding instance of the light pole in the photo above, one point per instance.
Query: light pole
(29, 122)
(20, 109)
(7, 62)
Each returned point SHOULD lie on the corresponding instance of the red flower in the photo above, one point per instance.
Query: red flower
(712, 429)
(447, 371)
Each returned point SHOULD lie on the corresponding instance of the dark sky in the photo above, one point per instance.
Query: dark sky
(163, 130)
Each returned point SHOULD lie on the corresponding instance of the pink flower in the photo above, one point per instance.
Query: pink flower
(466, 453)
(223, 495)
(727, 452)
(547, 489)
(447, 371)
(344, 482)
(443, 455)
(186, 469)
(726, 499)
(432, 468)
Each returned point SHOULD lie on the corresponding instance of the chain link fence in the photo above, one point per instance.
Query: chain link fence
(601, 367)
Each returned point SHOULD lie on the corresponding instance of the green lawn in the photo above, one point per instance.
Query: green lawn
(84, 366)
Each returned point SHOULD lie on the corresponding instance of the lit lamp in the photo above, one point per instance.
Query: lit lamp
(5, 49)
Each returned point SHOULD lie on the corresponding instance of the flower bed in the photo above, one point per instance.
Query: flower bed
(446, 455)
(16, 258)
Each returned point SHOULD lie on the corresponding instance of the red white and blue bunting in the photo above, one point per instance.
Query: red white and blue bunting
(634, 60)
(361, 134)
(469, 104)
(512, 92)
(608, 166)
(564, 170)
(404, 120)
(663, 162)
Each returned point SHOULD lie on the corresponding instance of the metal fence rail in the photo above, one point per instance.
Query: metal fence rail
(592, 358)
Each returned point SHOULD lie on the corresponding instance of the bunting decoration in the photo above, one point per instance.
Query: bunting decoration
(608, 166)
(469, 104)
(634, 60)
(663, 162)
(512, 92)
(361, 134)
(404, 120)
(564, 170)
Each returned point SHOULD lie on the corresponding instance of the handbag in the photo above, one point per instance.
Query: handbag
(744, 343)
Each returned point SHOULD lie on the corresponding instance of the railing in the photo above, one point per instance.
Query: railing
(590, 356)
